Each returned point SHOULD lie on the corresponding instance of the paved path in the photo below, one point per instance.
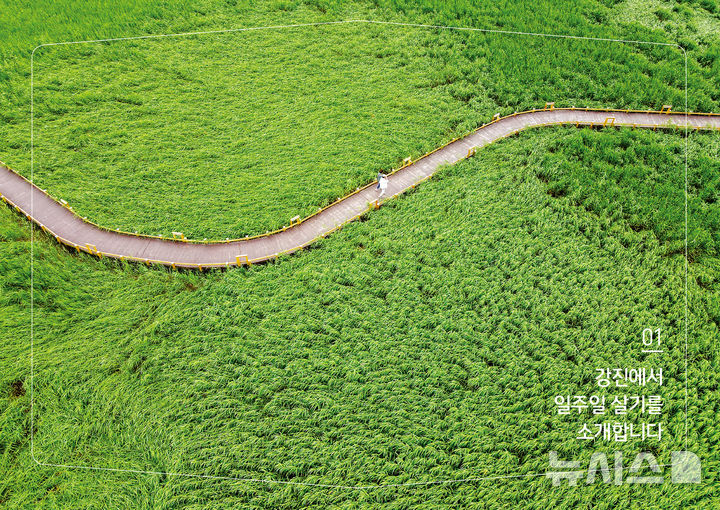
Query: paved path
(62, 223)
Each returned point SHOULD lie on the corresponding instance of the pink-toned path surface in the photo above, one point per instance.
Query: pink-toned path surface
(67, 228)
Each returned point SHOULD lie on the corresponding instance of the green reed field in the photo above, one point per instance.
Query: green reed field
(423, 343)
(227, 135)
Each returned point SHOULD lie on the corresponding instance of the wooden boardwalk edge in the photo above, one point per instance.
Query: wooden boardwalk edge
(57, 219)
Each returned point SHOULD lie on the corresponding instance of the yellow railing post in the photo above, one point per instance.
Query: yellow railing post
(407, 161)
(242, 259)
(471, 152)
(666, 108)
(550, 106)
(610, 121)
(295, 220)
(179, 236)
(496, 117)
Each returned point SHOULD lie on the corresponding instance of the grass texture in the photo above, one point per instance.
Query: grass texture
(228, 135)
(424, 343)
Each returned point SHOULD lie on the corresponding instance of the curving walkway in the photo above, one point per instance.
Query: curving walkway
(59, 221)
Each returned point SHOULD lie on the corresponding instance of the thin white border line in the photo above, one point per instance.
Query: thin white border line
(208, 32)
(321, 23)
(320, 485)
(32, 256)
(686, 246)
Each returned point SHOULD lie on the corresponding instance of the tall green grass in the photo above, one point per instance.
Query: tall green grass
(233, 134)
(424, 343)
(228, 135)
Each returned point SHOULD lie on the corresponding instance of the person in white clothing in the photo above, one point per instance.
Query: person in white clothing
(382, 184)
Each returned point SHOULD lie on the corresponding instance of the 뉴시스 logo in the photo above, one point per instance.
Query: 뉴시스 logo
(684, 468)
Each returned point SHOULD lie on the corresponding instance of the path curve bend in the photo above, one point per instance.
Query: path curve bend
(60, 222)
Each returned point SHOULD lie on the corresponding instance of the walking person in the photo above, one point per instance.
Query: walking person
(380, 175)
(382, 184)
